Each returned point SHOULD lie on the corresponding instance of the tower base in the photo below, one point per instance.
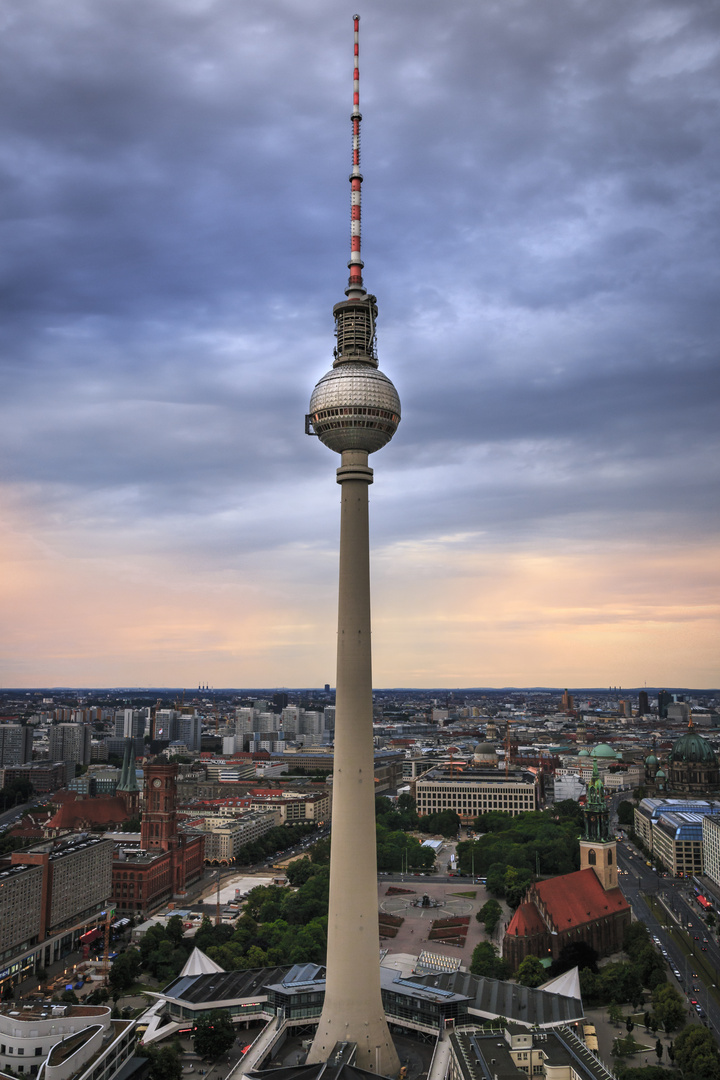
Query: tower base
(375, 1051)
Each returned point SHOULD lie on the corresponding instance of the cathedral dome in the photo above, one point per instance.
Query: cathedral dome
(602, 750)
(692, 748)
(485, 748)
(651, 760)
(660, 775)
(584, 753)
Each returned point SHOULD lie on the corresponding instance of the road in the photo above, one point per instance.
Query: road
(687, 944)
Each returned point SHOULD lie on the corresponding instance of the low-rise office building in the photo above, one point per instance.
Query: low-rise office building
(672, 830)
(226, 836)
(50, 895)
(711, 846)
(474, 790)
(511, 1051)
(28, 1034)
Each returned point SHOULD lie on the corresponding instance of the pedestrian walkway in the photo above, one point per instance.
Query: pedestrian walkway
(441, 1059)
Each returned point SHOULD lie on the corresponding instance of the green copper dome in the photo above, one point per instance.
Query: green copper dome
(584, 753)
(660, 775)
(692, 748)
(651, 760)
(602, 750)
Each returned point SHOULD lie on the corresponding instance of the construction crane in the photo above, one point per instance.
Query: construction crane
(106, 947)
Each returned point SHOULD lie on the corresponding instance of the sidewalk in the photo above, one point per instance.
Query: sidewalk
(607, 1033)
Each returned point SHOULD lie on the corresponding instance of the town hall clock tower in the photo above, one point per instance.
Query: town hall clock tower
(159, 820)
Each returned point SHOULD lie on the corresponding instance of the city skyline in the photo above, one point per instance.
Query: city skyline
(543, 196)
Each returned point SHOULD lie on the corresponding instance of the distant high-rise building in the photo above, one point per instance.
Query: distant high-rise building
(664, 699)
(643, 703)
(190, 731)
(129, 723)
(16, 743)
(70, 742)
(166, 725)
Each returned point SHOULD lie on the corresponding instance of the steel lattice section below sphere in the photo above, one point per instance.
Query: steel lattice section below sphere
(355, 407)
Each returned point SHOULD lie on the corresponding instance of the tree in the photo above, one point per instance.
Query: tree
(629, 1024)
(531, 972)
(625, 813)
(165, 1061)
(696, 1054)
(576, 954)
(446, 822)
(124, 971)
(671, 1053)
(669, 1007)
(175, 929)
(635, 938)
(516, 884)
(299, 871)
(659, 1050)
(489, 914)
(615, 1014)
(213, 1035)
(485, 961)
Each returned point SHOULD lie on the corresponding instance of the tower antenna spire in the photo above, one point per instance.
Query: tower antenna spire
(355, 288)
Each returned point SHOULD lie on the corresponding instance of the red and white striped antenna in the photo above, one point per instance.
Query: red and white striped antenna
(355, 289)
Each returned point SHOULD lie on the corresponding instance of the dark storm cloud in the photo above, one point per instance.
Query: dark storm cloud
(540, 226)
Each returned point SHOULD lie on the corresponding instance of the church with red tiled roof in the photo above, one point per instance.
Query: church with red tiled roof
(585, 906)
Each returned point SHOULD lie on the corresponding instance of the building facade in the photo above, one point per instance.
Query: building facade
(49, 895)
(475, 790)
(166, 860)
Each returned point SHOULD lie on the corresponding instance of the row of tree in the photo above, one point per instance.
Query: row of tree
(278, 839)
(513, 849)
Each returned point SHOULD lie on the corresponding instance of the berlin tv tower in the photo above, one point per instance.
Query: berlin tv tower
(355, 410)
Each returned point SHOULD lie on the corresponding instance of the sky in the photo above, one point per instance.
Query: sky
(540, 226)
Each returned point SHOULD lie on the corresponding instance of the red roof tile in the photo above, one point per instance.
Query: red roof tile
(106, 811)
(526, 920)
(574, 899)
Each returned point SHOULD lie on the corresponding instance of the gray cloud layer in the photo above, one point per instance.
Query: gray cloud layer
(540, 226)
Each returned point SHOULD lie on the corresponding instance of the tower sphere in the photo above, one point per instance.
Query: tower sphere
(355, 407)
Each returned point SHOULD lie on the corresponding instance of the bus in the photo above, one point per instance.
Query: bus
(704, 904)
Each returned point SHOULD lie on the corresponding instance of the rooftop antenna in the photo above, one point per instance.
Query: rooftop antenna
(355, 289)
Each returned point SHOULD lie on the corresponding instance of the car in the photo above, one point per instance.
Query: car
(703, 948)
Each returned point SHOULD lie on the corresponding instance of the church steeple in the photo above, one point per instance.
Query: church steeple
(596, 814)
(597, 847)
(128, 786)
